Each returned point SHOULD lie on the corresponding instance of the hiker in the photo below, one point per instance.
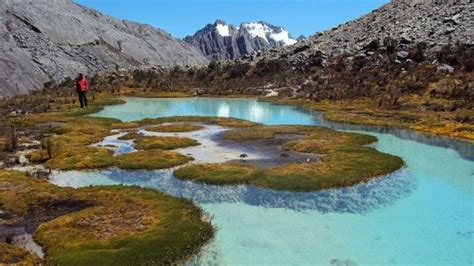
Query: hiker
(82, 86)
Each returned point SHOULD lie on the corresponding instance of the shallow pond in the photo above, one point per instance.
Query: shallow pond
(422, 214)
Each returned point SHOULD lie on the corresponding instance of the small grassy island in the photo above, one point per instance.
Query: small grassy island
(344, 161)
(100, 225)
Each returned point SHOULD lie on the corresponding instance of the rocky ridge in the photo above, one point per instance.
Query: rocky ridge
(401, 24)
(45, 40)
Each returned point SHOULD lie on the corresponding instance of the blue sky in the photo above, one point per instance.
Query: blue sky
(184, 17)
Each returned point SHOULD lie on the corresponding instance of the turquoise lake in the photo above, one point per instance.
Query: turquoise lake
(422, 214)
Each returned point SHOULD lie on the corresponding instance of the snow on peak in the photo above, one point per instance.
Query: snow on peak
(223, 30)
(283, 36)
(262, 30)
(258, 30)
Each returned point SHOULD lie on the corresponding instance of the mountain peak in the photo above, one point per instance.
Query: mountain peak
(220, 21)
(223, 41)
(222, 28)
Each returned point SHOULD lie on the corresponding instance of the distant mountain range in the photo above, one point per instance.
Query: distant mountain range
(223, 41)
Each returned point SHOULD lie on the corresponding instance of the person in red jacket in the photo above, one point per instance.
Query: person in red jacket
(82, 86)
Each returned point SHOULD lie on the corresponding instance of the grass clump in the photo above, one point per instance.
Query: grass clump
(165, 143)
(2, 143)
(218, 174)
(102, 225)
(143, 142)
(345, 161)
(78, 157)
(175, 128)
(220, 121)
(150, 160)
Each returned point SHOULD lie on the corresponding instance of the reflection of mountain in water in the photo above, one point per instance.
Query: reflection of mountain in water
(361, 198)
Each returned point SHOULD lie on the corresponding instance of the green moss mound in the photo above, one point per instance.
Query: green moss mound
(218, 174)
(143, 142)
(102, 225)
(175, 128)
(150, 160)
(345, 161)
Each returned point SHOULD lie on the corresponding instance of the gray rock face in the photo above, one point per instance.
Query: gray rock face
(403, 22)
(44, 40)
(222, 41)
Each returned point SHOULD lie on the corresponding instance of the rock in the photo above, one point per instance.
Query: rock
(450, 30)
(402, 54)
(12, 161)
(272, 93)
(40, 174)
(284, 155)
(243, 155)
(445, 69)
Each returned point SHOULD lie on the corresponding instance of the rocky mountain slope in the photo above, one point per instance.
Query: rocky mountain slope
(402, 23)
(222, 41)
(44, 40)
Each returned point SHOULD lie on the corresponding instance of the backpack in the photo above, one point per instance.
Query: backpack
(83, 85)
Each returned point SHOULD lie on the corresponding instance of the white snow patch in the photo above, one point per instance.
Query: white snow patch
(223, 30)
(258, 30)
(264, 31)
(283, 36)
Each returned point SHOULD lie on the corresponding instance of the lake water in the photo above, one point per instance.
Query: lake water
(422, 214)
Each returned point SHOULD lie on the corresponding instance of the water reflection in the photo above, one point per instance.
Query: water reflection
(464, 148)
(264, 112)
(361, 198)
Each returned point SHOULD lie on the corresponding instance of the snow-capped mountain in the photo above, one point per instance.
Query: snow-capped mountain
(222, 41)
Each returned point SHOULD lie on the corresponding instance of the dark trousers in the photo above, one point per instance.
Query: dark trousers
(83, 98)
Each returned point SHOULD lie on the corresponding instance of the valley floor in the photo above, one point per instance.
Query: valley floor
(70, 225)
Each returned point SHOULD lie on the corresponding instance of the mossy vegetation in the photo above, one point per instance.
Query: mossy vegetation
(165, 143)
(150, 160)
(211, 120)
(143, 142)
(73, 132)
(175, 128)
(152, 154)
(143, 93)
(218, 174)
(417, 112)
(344, 161)
(2, 143)
(102, 225)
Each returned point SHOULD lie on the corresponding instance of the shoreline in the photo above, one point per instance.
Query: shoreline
(324, 113)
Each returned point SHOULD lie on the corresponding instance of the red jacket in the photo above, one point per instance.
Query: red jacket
(82, 85)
